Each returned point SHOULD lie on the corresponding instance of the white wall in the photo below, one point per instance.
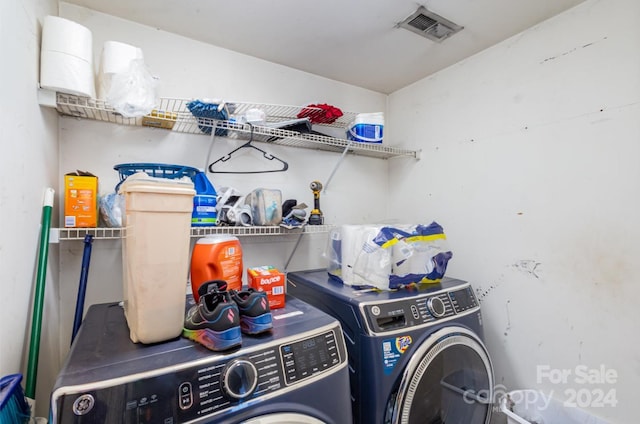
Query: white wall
(28, 164)
(191, 69)
(530, 162)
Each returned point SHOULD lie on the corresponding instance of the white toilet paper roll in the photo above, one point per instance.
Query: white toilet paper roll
(66, 73)
(65, 36)
(116, 57)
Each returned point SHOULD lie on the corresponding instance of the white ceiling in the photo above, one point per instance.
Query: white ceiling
(354, 41)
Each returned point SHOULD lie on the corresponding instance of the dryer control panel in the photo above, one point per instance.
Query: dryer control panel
(419, 310)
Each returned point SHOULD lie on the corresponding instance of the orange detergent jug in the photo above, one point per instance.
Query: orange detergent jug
(216, 257)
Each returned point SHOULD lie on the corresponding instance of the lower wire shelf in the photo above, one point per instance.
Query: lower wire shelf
(67, 234)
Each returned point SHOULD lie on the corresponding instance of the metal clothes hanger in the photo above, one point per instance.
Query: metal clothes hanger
(248, 144)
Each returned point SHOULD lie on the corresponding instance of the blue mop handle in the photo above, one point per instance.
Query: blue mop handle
(82, 286)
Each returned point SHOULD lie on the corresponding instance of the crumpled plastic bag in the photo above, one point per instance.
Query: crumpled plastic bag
(133, 92)
(387, 257)
(111, 208)
(419, 254)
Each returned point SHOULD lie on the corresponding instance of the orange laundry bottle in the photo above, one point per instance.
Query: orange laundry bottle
(216, 257)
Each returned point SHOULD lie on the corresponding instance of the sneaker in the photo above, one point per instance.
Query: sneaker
(255, 315)
(214, 322)
(209, 286)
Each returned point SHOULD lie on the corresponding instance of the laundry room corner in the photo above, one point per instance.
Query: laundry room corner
(527, 165)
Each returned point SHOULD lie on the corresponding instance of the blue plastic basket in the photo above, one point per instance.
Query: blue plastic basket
(159, 170)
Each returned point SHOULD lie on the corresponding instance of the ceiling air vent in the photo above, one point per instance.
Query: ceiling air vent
(430, 25)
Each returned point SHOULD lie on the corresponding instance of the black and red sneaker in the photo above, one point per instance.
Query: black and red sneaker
(255, 314)
(210, 286)
(214, 322)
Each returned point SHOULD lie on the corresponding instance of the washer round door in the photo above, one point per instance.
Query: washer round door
(449, 379)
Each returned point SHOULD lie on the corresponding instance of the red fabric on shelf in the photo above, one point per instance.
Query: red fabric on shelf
(321, 113)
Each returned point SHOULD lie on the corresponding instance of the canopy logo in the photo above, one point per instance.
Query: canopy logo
(403, 343)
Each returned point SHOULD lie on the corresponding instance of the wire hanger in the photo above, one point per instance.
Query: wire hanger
(248, 144)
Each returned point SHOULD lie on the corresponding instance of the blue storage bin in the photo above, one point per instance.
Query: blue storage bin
(204, 202)
(158, 170)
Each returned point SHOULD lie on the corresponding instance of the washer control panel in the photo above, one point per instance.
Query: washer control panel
(194, 391)
(308, 357)
(421, 309)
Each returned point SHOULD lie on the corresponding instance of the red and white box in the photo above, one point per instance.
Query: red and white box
(268, 279)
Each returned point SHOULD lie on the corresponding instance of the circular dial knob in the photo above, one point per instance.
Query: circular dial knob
(239, 379)
(436, 307)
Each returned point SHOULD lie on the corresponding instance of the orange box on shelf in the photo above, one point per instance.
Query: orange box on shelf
(80, 200)
(268, 279)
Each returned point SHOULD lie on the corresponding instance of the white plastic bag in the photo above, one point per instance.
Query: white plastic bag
(355, 260)
(133, 92)
(111, 208)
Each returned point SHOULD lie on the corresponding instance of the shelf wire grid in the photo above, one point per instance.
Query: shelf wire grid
(176, 113)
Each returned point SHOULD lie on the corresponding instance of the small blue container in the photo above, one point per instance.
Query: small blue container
(365, 133)
(367, 128)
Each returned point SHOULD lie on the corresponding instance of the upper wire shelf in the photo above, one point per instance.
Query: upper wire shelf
(173, 114)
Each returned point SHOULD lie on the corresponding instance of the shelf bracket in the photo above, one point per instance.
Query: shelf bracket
(47, 97)
(293, 251)
(54, 235)
(335, 168)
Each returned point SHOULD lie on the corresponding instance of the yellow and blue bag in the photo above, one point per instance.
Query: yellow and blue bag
(388, 257)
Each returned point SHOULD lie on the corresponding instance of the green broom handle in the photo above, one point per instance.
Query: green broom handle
(38, 303)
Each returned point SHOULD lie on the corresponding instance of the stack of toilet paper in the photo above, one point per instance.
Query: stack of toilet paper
(116, 59)
(66, 57)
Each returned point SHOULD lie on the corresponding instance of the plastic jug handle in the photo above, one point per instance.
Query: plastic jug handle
(203, 185)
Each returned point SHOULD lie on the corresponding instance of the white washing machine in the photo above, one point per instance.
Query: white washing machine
(295, 374)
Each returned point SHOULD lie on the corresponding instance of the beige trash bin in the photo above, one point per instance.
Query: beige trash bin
(155, 255)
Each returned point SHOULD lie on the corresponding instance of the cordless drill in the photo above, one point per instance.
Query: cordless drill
(315, 217)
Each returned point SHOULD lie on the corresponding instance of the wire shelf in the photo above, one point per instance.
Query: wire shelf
(97, 233)
(173, 115)
(259, 231)
(68, 234)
